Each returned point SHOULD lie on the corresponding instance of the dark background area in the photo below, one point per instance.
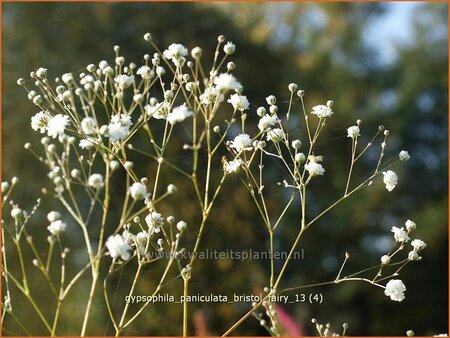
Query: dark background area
(325, 48)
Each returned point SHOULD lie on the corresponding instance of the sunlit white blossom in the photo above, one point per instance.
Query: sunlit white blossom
(174, 52)
(410, 225)
(57, 125)
(400, 234)
(154, 222)
(418, 244)
(314, 168)
(390, 179)
(233, 167)
(138, 191)
(276, 135)
(241, 142)
(226, 82)
(145, 72)
(322, 111)
(124, 81)
(211, 95)
(179, 114)
(89, 125)
(353, 132)
(395, 289)
(95, 181)
(118, 247)
(239, 102)
(86, 144)
(56, 227)
(404, 155)
(40, 121)
(267, 121)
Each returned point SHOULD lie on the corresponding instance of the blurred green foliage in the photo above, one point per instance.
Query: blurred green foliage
(325, 52)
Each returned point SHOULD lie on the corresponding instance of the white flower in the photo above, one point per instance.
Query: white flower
(241, 142)
(233, 167)
(117, 247)
(404, 155)
(57, 125)
(119, 128)
(226, 82)
(86, 144)
(400, 235)
(53, 216)
(267, 121)
(229, 48)
(322, 111)
(154, 222)
(117, 132)
(413, 256)
(145, 72)
(410, 225)
(276, 135)
(314, 168)
(124, 81)
(175, 52)
(239, 102)
(353, 132)
(390, 179)
(179, 114)
(211, 95)
(418, 245)
(56, 227)
(95, 181)
(395, 289)
(89, 125)
(40, 121)
(138, 191)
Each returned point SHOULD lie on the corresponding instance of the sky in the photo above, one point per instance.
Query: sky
(391, 28)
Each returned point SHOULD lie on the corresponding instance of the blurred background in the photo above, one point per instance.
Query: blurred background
(383, 63)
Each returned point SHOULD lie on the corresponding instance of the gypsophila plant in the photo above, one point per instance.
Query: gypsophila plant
(89, 122)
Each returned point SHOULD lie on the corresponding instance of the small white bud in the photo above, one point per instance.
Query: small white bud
(181, 226)
(386, 132)
(75, 173)
(216, 129)
(114, 165)
(21, 82)
(170, 219)
(330, 103)
(16, 212)
(261, 111)
(296, 144)
(147, 37)
(5, 186)
(385, 259)
(292, 87)
(196, 53)
(300, 93)
(128, 165)
(273, 109)
(41, 73)
(413, 256)
(271, 99)
(27, 145)
(14, 180)
(300, 158)
(231, 66)
(410, 333)
(220, 38)
(229, 48)
(172, 189)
